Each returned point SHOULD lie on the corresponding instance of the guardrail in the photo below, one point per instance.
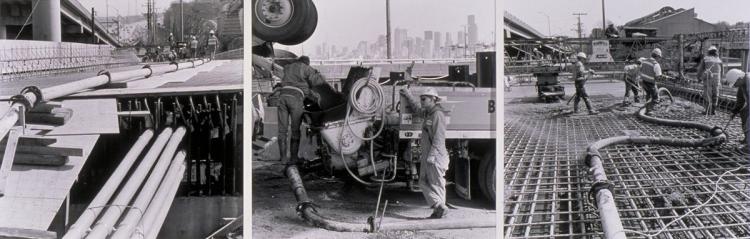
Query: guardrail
(389, 61)
(22, 59)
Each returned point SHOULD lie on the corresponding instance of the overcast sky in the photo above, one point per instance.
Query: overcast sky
(124, 7)
(346, 22)
(562, 20)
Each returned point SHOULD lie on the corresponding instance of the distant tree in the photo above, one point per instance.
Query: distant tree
(723, 25)
(199, 18)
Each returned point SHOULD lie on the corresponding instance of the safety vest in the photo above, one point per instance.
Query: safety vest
(631, 71)
(212, 41)
(650, 69)
(578, 70)
(711, 68)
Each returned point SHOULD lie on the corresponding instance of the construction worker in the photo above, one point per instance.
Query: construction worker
(579, 77)
(213, 44)
(649, 73)
(741, 83)
(194, 46)
(434, 158)
(709, 71)
(631, 81)
(295, 86)
(170, 39)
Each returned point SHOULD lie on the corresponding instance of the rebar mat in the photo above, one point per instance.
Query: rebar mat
(547, 184)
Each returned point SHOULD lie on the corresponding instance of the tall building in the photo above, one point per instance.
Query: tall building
(409, 48)
(472, 30)
(461, 38)
(399, 40)
(437, 52)
(427, 35)
(427, 52)
(418, 47)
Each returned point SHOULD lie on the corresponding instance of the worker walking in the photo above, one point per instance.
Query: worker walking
(434, 159)
(295, 86)
(579, 77)
(213, 44)
(651, 71)
(194, 46)
(631, 81)
(709, 71)
(743, 94)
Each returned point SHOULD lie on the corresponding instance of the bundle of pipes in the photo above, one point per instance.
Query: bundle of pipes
(150, 205)
(31, 96)
(603, 189)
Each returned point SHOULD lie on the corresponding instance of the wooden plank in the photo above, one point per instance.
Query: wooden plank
(40, 160)
(57, 117)
(92, 116)
(21, 233)
(8, 158)
(32, 140)
(47, 150)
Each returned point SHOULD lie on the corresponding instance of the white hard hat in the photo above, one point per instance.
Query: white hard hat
(430, 92)
(581, 55)
(656, 52)
(733, 76)
(641, 60)
(211, 32)
(712, 48)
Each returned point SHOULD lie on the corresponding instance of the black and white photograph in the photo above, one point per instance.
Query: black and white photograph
(373, 119)
(625, 119)
(121, 119)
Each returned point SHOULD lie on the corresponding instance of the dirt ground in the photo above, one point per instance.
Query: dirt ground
(274, 214)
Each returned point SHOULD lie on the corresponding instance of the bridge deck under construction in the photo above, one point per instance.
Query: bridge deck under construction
(35, 194)
(547, 184)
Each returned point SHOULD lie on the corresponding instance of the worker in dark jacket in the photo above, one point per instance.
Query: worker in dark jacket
(649, 73)
(741, 83)
(295, 86)
(434, 159)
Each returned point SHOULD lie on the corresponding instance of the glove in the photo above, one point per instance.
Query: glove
(431, 159)
(403, 92)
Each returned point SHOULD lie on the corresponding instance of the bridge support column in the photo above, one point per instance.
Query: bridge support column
(2, 24)
(47, 21)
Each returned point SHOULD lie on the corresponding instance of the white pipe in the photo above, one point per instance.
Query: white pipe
(136, 211)
(95, 207)
(105, 223)
(163, 198)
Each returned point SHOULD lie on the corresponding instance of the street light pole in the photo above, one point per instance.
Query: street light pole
(182, 27)
(549, 32)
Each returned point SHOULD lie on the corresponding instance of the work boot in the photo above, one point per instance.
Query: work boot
(439, 212)
(588, 104)
(593, 112)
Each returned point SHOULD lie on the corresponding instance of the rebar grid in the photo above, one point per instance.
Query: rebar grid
(547, 183)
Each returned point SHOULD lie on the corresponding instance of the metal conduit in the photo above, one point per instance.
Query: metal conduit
(100, 200)
(610, 218)
(10, 117)
(104, 225)
(162, 212)
(163, 198)
(310, 214)
(147, 192)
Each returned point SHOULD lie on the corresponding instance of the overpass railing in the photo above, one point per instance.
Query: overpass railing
(23, 59)
(391, 61)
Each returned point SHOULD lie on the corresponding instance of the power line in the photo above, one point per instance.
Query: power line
(580, 28)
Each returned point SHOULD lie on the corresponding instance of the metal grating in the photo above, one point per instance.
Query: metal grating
(547, 183)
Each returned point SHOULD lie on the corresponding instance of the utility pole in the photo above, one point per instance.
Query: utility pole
(388, 28)
(182, 26)
(604, 23)
(580, 29)
(93, 25)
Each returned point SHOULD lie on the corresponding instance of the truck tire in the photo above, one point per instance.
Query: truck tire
(307, 30)
(486, 175)
(277, 20)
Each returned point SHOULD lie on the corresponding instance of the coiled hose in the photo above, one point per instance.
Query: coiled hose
(603, 189)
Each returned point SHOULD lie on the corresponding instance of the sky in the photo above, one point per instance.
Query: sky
(562, 20)
(124, 7)
(346, 22)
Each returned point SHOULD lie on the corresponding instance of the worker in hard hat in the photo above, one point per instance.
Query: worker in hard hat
(212, 44)
(741, 83)
(709, 72)
(295, 87)
(579, 77)
(434, 158)
(194, 46)
(631, 81)
(651, 71)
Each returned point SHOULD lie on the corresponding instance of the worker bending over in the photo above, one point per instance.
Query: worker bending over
(631, 81)
(295, 86)
(709, 71)
(649, 73)
(579, 77)
(434, 159)
(741, 108)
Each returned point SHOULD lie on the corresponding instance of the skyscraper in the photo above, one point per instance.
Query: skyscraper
(461, 38)
(472, 30)
(427, 35)
(448, 39)
(437, 52)
(398, 42)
